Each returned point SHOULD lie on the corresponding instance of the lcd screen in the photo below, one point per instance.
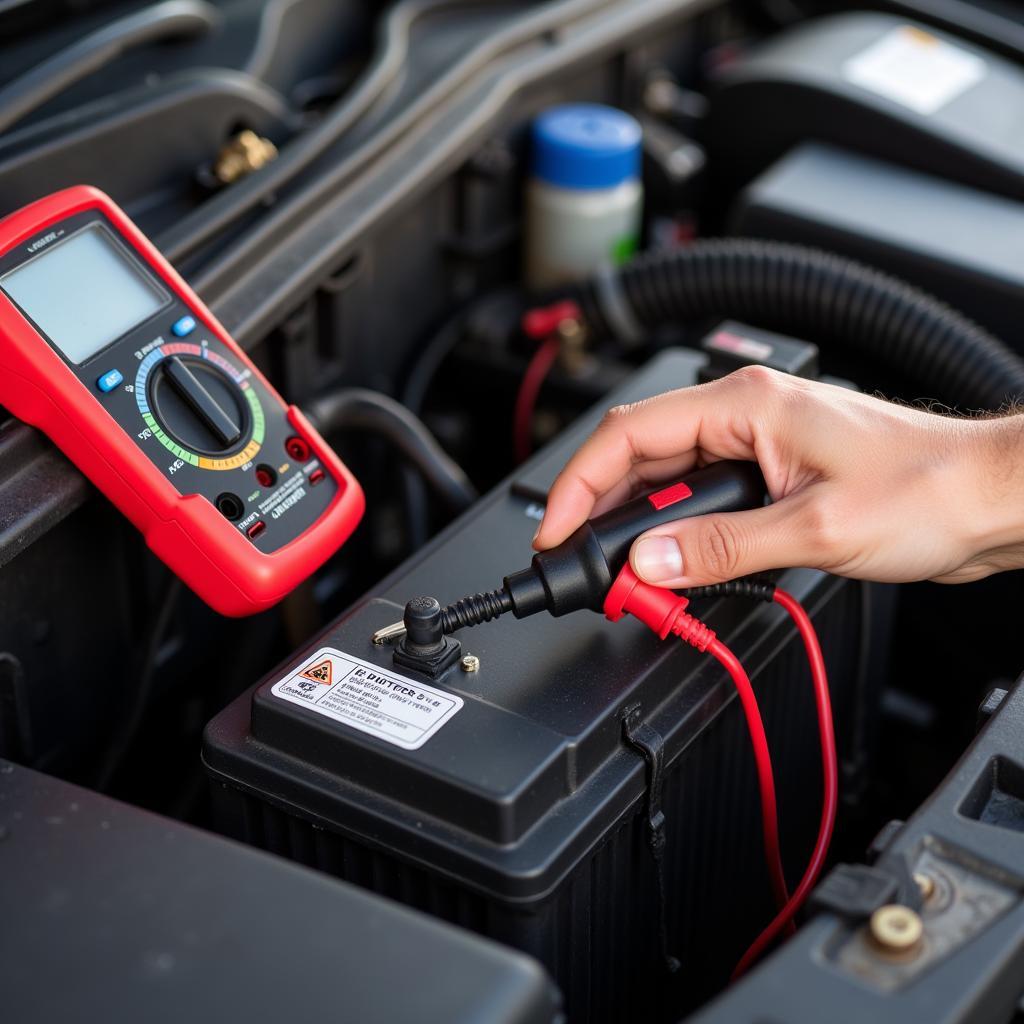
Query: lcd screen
(83, 292)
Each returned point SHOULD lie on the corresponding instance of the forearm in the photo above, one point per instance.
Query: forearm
(860, 486)
(993, 461)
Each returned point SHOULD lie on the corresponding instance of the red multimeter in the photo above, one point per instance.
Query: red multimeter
(107, 350)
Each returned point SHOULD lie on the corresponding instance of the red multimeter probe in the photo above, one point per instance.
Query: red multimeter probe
(106, 349)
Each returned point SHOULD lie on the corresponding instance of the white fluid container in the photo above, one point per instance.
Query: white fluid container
(584, 197)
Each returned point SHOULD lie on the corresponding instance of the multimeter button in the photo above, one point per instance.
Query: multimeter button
(316, 477)
(256, 529)
(109, 380)
(185, 325)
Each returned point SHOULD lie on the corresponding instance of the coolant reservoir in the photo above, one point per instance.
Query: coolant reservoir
(584, 196)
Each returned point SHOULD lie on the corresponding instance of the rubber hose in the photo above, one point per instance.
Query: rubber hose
(820, 297)
(360, 409)
(173, 19)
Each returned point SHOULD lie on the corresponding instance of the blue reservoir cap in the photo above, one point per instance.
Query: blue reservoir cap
(586, 145)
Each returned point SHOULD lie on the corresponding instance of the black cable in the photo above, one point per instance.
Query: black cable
(173, 19)
(142, 690)
(818, 296)
(222, 210)
(857, 743)
(372, 412)
(430, 358)
(414, 394)
(424, 369)
(475, 609)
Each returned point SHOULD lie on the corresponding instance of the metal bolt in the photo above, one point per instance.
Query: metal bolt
(895, 928)
(569, 327)
(470, 663)
(925, 883)
(572, 352)
(660, 95)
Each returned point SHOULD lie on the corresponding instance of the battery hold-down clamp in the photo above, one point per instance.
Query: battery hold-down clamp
(590, 570)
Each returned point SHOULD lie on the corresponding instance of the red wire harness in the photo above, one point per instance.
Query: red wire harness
(526, 398)
(542, 326)
(665, 612)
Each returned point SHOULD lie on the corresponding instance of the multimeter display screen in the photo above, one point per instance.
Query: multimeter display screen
(83, 293)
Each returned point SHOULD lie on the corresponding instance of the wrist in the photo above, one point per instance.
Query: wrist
(993, 470)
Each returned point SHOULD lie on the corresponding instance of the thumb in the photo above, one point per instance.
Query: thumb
(714, 548)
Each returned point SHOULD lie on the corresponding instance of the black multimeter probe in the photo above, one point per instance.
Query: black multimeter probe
(579, 572)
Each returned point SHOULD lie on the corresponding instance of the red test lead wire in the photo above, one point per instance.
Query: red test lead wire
(665, 613)
(830, 786)
(765, 773)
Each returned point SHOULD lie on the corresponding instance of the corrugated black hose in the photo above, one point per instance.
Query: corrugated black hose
(817, 296)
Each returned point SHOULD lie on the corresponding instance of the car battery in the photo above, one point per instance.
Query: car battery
(516, 799)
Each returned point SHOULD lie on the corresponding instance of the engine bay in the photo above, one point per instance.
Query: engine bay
(449, 236)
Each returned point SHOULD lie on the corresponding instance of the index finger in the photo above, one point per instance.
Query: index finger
(674, 429)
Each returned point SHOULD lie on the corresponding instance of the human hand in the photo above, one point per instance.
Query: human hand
(860, 487)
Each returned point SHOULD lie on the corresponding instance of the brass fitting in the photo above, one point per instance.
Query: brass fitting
(241, 155)
(925, 883)
(572, 337)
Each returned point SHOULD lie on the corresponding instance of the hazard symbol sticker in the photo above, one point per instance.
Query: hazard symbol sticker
(321, 672)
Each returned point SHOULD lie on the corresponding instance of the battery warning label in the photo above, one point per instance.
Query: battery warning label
(366, 697)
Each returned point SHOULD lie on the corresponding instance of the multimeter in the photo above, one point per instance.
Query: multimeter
(106, 349)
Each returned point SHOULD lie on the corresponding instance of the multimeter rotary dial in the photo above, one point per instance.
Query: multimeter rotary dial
(199, 406)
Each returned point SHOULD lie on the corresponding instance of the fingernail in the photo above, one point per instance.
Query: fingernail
(536, 534)
(657, 559)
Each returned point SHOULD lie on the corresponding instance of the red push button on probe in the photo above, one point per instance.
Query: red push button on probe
(669, 496)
